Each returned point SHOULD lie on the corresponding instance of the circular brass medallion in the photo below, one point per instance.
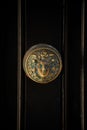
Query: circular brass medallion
(42, 63)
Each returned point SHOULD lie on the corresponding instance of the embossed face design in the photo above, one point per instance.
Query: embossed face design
(42, 63)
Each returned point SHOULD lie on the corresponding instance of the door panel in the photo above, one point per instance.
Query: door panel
(25, 103)
(42, 106)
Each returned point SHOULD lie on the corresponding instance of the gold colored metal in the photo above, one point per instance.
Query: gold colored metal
(42, 63)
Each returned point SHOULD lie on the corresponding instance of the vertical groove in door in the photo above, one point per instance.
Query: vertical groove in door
(63, 122)
(82, 63)
(63, 83)
(65, 31)
(25, 45)
(19, 68)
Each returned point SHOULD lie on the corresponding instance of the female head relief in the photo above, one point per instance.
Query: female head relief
(42, 63)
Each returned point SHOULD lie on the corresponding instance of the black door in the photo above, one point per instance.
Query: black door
(57, 105)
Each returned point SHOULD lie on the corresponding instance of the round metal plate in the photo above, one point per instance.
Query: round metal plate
(42, 63)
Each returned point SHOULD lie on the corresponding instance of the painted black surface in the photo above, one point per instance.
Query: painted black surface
(44, 24)
(74, 66)
(8, 56)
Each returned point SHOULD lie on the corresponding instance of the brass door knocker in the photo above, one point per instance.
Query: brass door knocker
(42, 63)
